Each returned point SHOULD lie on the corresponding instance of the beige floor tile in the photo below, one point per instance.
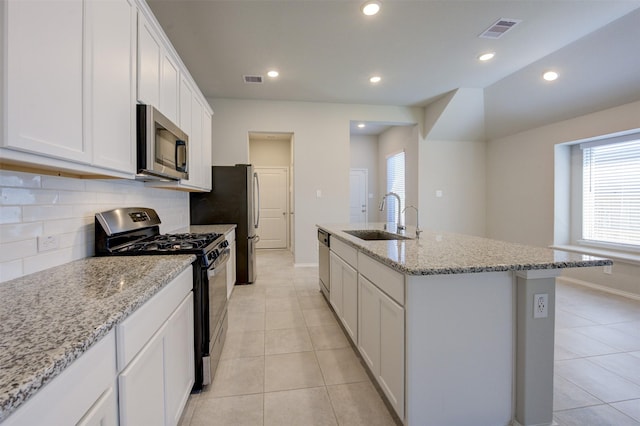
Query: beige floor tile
(246, 304)
(340, 366)
(630, 408)
(312, 302)
(614, 337)
(312, 290)
(284, 319)
(328, 337)
(600, 415)
(315, 317)
(287, 340)
(573, 341)
(308, 407)
(278, 292)
(358, 404)
(624, 365)
(243, 344)
(237, 376)
(246, 321)
(245, 410)
(189, 409)
(566, 395)
(292, 371)
(283, 304)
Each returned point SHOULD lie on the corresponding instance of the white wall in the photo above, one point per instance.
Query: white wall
(269, 153)
(33, 205)
(321, 152)
(364, 155)
(520, 184)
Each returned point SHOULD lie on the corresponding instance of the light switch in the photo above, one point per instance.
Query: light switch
(439, 193)
(318, 193)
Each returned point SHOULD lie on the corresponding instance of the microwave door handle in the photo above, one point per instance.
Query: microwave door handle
(181, 146)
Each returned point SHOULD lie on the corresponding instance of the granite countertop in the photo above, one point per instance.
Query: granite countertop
(439, 253)
(219, 229)
(49, 318)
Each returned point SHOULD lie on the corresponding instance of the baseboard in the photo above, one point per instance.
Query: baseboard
(599, 287)
(305, 265)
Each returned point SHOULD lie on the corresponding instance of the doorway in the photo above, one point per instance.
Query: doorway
(272, 157)
(358, 206)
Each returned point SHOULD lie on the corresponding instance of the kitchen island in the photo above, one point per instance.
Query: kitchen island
(456, 329)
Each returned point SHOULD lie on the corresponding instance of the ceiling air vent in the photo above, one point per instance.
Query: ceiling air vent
(499, 28)
(255, 79)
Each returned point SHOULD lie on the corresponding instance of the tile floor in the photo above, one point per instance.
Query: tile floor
(287, 362)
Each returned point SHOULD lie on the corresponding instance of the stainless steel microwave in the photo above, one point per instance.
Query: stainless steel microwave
(163, 149)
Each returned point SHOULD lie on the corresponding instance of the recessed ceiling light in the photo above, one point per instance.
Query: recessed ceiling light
(273, 73)
(375, 79)
(361, 125)
(550, 75)
(371, 7)
(486, 56)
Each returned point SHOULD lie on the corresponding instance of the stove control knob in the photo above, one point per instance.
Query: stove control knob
(224, 244)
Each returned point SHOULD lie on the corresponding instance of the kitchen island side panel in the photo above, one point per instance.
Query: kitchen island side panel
(460, 349)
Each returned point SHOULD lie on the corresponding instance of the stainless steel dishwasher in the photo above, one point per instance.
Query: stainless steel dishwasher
(323, 262)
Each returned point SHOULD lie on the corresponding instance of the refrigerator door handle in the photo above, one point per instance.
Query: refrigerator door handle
(256, 195)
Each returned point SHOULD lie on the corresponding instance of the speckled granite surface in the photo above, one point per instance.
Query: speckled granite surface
(444, 253)
(220, 229)
(50, 318)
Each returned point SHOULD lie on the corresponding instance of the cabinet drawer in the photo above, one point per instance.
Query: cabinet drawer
(134, 332)
(385, 278)
(346, 252)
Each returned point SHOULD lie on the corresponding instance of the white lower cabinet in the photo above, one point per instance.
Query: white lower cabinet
(157, 376)
(104, 412)
(231, 264)
(381, 340)
(344, 293)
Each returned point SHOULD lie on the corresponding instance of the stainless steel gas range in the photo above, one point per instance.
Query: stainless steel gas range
(135, 231)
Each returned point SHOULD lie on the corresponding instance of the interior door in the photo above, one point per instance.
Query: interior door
(274, 214)
(358, 196)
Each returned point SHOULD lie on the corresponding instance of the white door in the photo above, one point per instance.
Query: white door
(358, 195)
(273, 207)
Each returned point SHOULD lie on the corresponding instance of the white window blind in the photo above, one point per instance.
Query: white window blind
(395, 183)
(611, 193)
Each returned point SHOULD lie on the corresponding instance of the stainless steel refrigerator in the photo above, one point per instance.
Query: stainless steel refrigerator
(234, 198)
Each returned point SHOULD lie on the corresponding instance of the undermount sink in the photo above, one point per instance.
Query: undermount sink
(375, 235)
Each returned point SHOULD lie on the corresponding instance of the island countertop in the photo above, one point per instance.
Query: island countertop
(50, 318)
(441, 253)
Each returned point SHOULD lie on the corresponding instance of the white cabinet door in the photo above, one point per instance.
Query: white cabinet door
(231, 264)
(169, 84)
(206, 150)
(335, 270)
(350, 301)
(150, 54)
(141, 386)
(104, 412)
(186, 95)
(195, 144)
(369, 320)
(391, 376)
(381, 340)
(110, 65)
(178, 360)
(44, 80)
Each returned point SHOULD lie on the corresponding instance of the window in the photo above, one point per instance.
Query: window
(611, 192)
(395, 183)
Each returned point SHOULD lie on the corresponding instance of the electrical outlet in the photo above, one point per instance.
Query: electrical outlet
(48, 242)
(607, 269)
(540, 305)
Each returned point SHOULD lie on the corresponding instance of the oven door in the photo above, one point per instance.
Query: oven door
(216, 314)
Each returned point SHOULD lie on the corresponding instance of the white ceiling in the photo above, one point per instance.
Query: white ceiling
(325, 50)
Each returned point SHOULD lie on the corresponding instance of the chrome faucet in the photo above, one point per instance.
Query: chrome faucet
(399, 226)
(418, 230)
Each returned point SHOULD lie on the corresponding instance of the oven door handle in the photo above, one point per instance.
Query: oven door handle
(220, 261)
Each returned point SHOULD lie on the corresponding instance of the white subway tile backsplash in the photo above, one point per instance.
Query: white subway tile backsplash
(32, 205)
(48, 212)
(21, 196)
(20, 231)
(18, 249)
(10, 214)
(19, 179)
(55, 182)
(10, 270)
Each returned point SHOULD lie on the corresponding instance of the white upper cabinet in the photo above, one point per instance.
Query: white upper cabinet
(69, 80)
(45, 78)
(169, 88)
(150, 54)
(110, 118)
